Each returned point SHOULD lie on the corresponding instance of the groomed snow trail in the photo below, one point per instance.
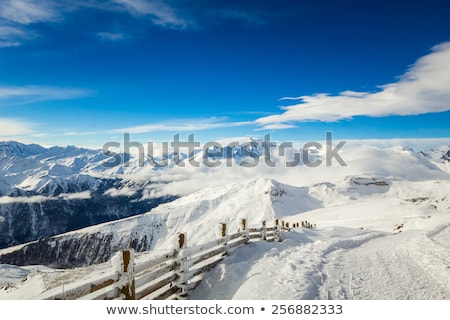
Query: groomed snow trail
(337, 263)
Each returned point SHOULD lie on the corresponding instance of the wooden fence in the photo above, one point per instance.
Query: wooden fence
(171, 275)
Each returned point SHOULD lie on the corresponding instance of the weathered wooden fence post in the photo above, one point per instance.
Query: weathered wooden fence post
(263, 231)
(243, 224)
(224, 235)
(128, 288)
(245, 233)
(223, 229)
(181, 241)
(181, 281)
(277, 231)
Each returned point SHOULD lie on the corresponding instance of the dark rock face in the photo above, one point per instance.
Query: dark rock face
(77, 250)
(72, 252)
(446, 156)
(25, 222)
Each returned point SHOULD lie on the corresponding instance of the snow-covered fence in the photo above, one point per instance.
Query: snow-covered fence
(171, 275)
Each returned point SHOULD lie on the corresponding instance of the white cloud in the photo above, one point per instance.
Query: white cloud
(73, 196)
(39, 134)
(124, 192)
(373, 157)
(27, 11)
(290, 98)
(78, 133)
(13, 36)
(37, 199)
(183, 125)
(12, 127)
(24, 94)
(110, 36)
(32, 199)
(160, 13)
(277, 126)
(424, 88)
(252, 18)
(18, 16)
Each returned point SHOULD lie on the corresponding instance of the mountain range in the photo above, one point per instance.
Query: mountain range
(57, 203)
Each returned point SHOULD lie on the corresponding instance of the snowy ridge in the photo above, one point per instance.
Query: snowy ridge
(376, 238)
(48, 191)
(32, 168)
(386, 215)
(200, 213)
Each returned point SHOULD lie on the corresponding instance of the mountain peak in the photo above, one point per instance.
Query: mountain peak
(18, 149)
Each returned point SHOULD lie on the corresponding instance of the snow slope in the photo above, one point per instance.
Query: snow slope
(336, 263)
(383, 232)
(391, 245)
(198, 214)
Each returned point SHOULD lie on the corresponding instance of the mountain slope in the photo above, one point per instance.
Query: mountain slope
(44, 192)
(200, 213)
(376, 238)
(394, 202)
(50, 191)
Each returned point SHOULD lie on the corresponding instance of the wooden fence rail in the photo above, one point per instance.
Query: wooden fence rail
(171, 275)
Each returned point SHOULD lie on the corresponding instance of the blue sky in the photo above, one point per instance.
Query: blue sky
(83, 72)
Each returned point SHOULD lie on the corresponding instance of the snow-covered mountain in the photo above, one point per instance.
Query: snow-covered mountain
(388, 209)
(364, 225)
(47, 192)
(44, 192)
(200, 212)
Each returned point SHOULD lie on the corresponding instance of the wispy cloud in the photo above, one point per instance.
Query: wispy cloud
(250, 18)
(424, 88)
(13, 36)
(17, 17)
(277, 126)
(36, 199)
(183, 125)
(158, 12)
(26, 94)
(111, 36)
(28, 11)
(10, 127)
(78, 133)
(20, 17)
(290, 98)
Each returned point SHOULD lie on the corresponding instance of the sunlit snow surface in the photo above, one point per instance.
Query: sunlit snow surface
(382, 232)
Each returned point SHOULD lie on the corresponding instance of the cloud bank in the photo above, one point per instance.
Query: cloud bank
(37, 199)
(424, 88)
